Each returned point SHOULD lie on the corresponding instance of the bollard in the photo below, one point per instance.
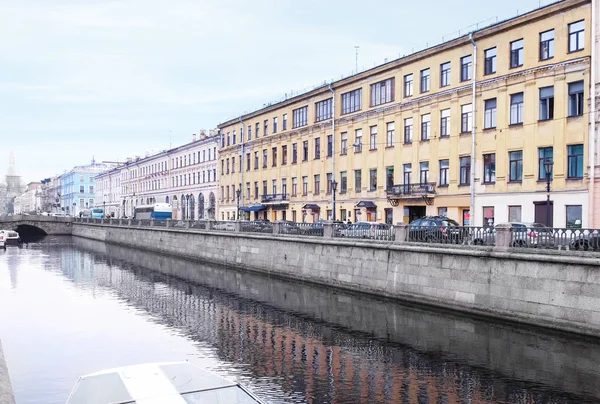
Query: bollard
(401, 233)
(120, 221)
(328, 230)
(210, 224)
(238, 226)
(168, 223)
(151, 222)
(129, 222)
(503, 237)
(187, 224)
(277, 228)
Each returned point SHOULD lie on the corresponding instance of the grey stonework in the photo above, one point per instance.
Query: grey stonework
(547, 290)
(6, 393)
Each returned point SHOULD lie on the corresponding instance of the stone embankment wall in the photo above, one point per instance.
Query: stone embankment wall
(561, 292)
(6, 393)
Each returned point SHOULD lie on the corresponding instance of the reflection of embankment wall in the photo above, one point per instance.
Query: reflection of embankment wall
(564, 363)
(552, 291)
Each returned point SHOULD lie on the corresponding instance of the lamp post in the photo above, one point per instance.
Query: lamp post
(548, 163)
(237, 194)
(334, 185)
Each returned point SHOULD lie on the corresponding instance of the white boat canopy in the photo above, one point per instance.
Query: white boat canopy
(158, 383)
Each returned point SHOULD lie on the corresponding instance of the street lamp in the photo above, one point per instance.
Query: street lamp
(237, 193)
(548, 163)
(334, 185)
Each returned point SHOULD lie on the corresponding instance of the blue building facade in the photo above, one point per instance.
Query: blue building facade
(77, 188)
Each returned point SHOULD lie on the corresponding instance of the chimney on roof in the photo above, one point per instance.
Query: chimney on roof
(194, 137)
(202, 135)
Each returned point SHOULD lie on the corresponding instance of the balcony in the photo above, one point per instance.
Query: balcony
(275, 199)
(397, 193)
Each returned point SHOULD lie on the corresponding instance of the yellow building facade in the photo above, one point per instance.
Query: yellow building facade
(404, 133)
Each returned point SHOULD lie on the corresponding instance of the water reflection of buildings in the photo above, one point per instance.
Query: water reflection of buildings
(311, 362)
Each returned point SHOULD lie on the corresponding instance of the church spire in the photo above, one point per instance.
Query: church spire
(12, 165)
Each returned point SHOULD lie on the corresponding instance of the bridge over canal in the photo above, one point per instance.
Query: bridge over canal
(37, 224)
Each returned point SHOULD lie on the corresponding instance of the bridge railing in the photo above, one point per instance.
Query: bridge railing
(499, 237)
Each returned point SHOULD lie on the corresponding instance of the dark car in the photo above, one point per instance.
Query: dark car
(588, 242)
(436, 229)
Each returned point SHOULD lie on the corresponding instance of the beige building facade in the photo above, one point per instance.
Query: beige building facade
(461, 129)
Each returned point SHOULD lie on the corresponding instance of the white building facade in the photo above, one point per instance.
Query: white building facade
(185, 177)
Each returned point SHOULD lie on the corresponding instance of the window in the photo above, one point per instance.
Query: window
(444, 168)
(489, 66)
(424, 172)
(575, 161)
(257, 130)
(406, 173)
(91, 189)
(227, 166)
(284, 123)
(305, 150)
(234, 142)
(576, 36)
(546, 103)
(256, 160)
(274, 184)
(516, 109)
(466, 67)
(382, 92)
(283, 155)
(516, 53)
(514, 213)
(323, 110)
(489, 114)
(445, 74)
(489, 168)
(233, 164)
(358, 140)
(329, 181)
(265, 158)
(373, 179)
(408, 130)
(547, 45)
(425, 80)
(317, 148)
(425, 126)
(329, 145)
(466, 118)
(81, 178)
(445, 123)
(352, 101)
(294, 186)
(249, 138)
(247, 161)
(465, 170)
(357, 181)
(317, 189)
(373, 138)
(576, 98)
(408, 85)
(574, 216)
(82, 189)
(343, 182)
(274, 156)
(544, 153)
(443, 211)
(294, 153)
(275, 124)
(264, 190)
(300, 117)
(305, 185)
(515, 165)
(344, 143)
(390, 134)
(228, 143)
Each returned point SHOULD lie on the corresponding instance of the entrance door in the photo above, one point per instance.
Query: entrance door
(415, 212)
(540, 213)
(389, 216)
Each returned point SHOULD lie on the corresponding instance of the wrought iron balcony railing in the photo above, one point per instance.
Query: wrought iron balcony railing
(274, 198)
(402, 191)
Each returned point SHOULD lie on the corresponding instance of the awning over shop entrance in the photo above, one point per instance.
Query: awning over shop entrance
(366, 204)
(253, 208)
(311, 206)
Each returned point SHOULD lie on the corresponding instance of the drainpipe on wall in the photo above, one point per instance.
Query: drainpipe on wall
(473, 130)
(332, 152)
(237, 215)
(592, 135)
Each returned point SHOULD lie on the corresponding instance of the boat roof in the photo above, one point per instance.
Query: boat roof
(154, 383)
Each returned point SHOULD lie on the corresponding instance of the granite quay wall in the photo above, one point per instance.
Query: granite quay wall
(6, 393)
(563, 362)
(549, 290)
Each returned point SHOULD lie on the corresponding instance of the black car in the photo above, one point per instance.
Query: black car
(436, 229)
(589, 242)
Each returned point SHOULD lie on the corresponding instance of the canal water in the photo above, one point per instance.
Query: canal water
(71, 306)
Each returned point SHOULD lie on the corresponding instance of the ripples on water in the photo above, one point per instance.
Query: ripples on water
(73, 306)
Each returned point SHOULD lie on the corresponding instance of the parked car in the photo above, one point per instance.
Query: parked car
(372, 230)
(436, 229)
(588, 242)
(288, 227)
(229, 226)
(524, 234)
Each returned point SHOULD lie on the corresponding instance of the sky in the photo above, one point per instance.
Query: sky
(111, 79)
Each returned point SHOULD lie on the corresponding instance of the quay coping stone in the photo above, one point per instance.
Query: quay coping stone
(6, 393)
